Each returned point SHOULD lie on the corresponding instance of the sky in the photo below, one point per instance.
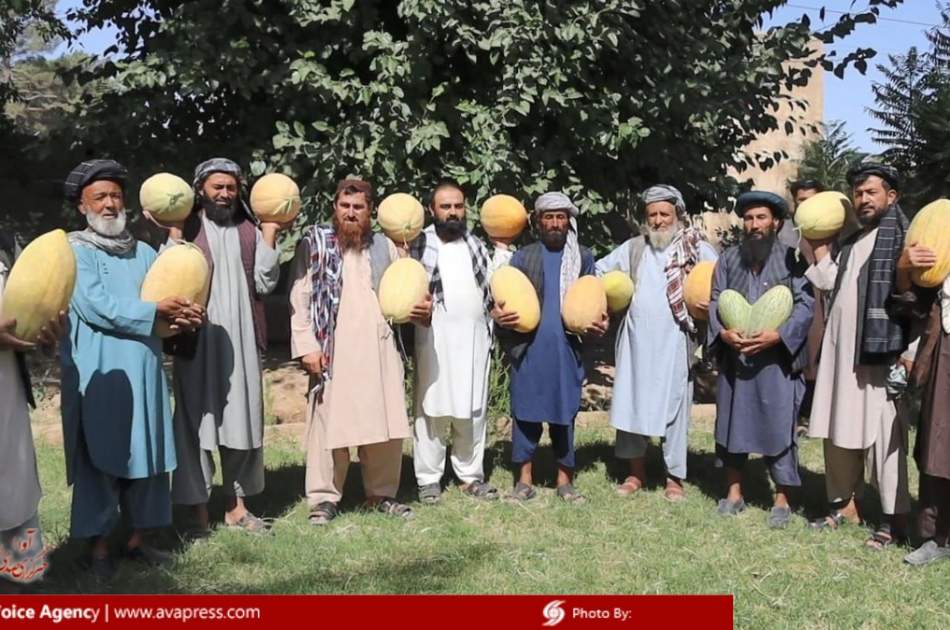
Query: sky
(846, 99)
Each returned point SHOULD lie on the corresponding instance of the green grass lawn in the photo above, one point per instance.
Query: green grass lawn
(644, 544)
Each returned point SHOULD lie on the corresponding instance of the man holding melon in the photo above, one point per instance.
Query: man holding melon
(653, 387)
(347, 346)
(117, 420)
(852, 410)
(547, 372)
(453, 352)
(759, 316)
(217, 371)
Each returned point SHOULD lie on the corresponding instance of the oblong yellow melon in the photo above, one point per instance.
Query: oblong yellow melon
(512, 288)
(931, 228)
(401, 217)
(179, 271)
(698, 288)
(167, 197)
(275, 198)
(40, 284)
(405, 283)
(822, 215)
(618, 285)
(503, 216)
(584, 303)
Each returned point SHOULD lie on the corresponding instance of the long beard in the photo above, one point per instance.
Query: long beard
(451, 229)
(554, 240)
(222, 215)
(353, 235)
(755, 251)
(104, 226)
(660, 238)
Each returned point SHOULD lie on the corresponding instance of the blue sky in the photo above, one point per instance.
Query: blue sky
(845, 99)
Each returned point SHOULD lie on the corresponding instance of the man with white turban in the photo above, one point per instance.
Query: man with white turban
(653, 386)
(547, 371)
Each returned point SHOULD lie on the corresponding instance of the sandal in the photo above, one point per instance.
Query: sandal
(674, 492)
(730, 508)
(251, 524)
(522, 492)
(569, 494)
(392, 507)
(883, 537)
(630, 486)
(833, 521)
(149, 555)
(480, 490)
(430, 493)
(323, 513)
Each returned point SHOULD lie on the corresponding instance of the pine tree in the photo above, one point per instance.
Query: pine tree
(828, 158)
(906, 83)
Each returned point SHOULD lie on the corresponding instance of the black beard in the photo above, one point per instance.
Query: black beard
(554, 240)
(218, 214)
(451, 229)
(755, 251)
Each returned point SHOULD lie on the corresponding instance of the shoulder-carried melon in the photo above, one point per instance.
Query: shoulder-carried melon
(509, 286)
(401, 217)
(405, 283)
(584, 303)
(931, 228)
(698, 288)
(275, 198)
(180, 271)
(503, 216)
(822, 215)
(40, 284)
(167, 197)
(619, 287)
(770, 311)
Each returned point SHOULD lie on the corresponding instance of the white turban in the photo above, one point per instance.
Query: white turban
(555, 201)
(663, 192)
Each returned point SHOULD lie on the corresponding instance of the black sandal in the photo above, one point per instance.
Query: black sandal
(833, 521)
(884, 537)
(392, 507)
(522, 492)
(480, 490)
(323, 513)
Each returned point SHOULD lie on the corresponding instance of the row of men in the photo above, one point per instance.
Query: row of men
(122, 441)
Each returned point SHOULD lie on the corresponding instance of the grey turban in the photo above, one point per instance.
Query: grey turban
(662, 192)
(555, 201)
(216, 165)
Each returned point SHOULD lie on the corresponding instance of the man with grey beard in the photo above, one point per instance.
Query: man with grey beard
(653, 386)
(117, 420)
(217, 373)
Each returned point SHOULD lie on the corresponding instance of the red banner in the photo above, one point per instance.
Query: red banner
(458, 612)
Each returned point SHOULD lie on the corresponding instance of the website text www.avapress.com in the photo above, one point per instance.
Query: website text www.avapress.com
(106, 613)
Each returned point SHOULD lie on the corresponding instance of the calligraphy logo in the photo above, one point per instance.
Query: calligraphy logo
(21, 561)
(553, 613)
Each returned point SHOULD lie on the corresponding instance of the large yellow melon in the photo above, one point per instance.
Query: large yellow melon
(401, 217)
(584, 303)
(512, 288)
(698, 288)
(404, 284)
(179, 271)
(618, 285)
(275, 198)
(822, 215)
(931, 228)
(167, 197)
(40, 284)
(503, 216)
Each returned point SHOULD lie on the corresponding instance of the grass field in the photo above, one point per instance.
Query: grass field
(791, 578)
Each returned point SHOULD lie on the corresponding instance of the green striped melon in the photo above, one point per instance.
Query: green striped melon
(733, 310)
(769, 312)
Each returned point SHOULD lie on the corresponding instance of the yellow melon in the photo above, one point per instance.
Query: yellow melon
(401, 217)
(618, 285)
(584, 303)
(822, 215)
(275, 198)
(40, 284)
(405, 283)
(512, 288)
(698, 288)
(503, 216)
(167, 197)
(180, 271)
(931, 228)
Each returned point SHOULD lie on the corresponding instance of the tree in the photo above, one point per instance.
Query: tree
(25, 26)
(906, 82)
(933, 159)
(829, 157)
(597, 97)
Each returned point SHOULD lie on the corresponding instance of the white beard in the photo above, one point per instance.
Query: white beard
(106, 227)
(660, 239)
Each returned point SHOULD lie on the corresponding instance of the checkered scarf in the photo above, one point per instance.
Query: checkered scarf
(684, 254)
(425, 249)
(326, 278)
(883, 335)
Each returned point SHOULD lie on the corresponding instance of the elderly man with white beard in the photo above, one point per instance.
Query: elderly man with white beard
(653, 387)
(117, 417)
